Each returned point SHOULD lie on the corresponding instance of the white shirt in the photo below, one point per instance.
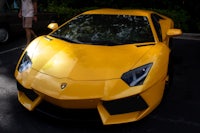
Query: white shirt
(27, 8)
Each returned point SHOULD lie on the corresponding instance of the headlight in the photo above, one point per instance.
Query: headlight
(25, 63)
(136, 76)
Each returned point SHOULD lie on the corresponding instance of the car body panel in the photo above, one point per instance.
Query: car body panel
(99, 61)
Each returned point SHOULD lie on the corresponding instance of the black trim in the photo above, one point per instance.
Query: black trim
(28, 92)
(76, 115)
(144, 45)
(125, 105)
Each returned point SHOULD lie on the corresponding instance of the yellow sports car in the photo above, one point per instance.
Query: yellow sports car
(115, 61)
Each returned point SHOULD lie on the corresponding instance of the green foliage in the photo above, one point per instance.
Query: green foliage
(180, 11)
(180, 17)
(64, 11)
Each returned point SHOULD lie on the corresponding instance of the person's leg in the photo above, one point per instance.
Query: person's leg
(28, 35)
(27, 24)
(33, 33)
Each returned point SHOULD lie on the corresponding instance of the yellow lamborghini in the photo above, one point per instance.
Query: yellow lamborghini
(115, 61)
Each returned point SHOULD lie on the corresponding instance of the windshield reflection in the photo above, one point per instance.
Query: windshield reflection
(106, 30)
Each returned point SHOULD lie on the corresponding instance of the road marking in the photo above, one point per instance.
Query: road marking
(10, 50)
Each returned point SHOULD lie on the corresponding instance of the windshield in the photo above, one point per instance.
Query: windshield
(106, 30)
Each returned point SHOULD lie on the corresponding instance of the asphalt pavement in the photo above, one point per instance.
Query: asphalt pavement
(177, 113)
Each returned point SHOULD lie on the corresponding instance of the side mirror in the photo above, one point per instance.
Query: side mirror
(53, 26)
(174, 32)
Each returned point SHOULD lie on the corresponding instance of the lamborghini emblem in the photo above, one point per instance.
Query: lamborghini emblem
(63, 85)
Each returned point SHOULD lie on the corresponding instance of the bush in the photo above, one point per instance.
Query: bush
(181, 17)
(65, 12)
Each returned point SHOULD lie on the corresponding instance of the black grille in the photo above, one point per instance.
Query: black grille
(75, 115)
(125, 105)
(29, 93)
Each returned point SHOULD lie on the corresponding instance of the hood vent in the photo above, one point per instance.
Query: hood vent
(142, 45)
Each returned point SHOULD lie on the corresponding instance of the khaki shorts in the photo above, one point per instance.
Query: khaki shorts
(27, 22)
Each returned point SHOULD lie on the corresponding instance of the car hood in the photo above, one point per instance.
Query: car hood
(62, 59)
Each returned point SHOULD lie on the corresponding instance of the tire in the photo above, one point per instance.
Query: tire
(4, 35)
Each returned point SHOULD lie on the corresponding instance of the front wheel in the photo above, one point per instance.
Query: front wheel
(4, 35)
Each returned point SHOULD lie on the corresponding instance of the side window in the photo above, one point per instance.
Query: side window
(155, 19)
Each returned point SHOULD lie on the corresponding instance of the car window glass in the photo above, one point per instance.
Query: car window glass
(155, 19)
(106, 30)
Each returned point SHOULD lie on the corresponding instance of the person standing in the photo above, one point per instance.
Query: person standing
(28, 13)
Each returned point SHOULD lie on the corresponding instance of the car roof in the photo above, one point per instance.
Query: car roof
(137, 12)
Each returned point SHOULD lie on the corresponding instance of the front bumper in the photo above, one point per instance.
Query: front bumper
(116, 111)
